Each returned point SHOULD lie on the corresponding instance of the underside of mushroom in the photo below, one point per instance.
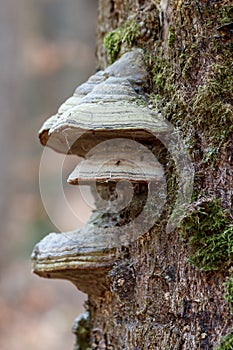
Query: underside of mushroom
(106, 121)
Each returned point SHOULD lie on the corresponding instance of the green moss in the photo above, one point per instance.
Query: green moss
(194, 81)
(213, 252)
(229, 291)
(162, 76)
(127, 33)
(171, 36)
(189, 61)
(210, 236)
(226, 343)
(226, 13)
(81, 329)
(206, 107)
(212, 106)
(112, 42)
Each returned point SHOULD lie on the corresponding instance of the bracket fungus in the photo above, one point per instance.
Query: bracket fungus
(117, 160)
(109, 105)
(108, 122)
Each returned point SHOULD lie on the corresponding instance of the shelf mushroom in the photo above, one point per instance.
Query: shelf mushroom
(110, 104)
(108, 122)
(116, 160)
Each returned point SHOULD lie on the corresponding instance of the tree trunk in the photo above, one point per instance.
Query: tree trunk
(165, 291)
(170, 288)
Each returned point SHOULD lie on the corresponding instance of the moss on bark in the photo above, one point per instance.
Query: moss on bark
(162, 301)
(126, 34)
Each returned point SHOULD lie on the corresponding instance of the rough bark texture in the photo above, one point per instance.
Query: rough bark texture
(157, 299)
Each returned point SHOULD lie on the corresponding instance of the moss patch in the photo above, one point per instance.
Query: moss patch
(226, 13)
(127, 33)
(229, 291)
(208, 109)
(171, 36)
(193, 80)
(212, 106)
(226, 343)
(210, 236)
(81, 329)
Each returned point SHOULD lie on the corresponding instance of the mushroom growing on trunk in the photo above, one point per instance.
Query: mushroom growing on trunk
(108, 122)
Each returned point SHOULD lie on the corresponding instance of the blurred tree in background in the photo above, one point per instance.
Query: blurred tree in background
(47, 48)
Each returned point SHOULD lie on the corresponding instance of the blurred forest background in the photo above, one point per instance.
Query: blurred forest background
(47, 48)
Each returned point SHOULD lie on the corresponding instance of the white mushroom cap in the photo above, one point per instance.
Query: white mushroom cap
(108, 105)
(117, 160)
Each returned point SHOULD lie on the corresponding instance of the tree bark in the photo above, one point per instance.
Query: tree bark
(157, 299)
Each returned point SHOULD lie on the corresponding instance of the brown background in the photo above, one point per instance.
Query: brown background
(47, 48)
